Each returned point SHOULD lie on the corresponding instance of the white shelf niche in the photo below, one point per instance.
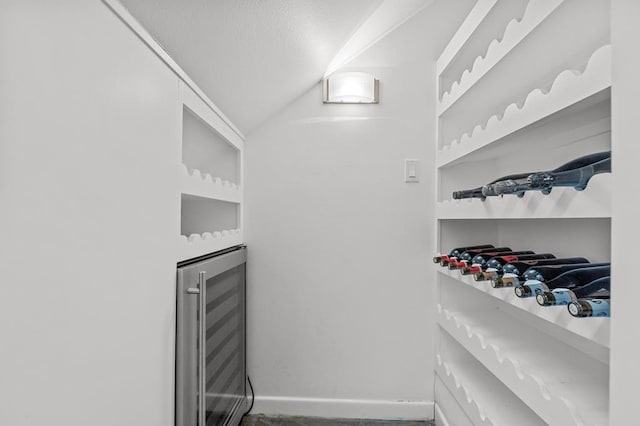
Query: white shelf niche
(554, 112)
(483, 398)
(560, 384)
(199, 214)
(209, 178)
(207, 225)
(596, 330)
(209, 144)
(519, 72)
(194, 182)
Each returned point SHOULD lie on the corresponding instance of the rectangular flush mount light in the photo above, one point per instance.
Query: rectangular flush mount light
(350, 88)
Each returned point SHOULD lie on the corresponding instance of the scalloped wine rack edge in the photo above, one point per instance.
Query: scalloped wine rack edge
(541, 398)
(198, 244)
(195, 182)
(570, 86)
(464, 393)
(515, 31)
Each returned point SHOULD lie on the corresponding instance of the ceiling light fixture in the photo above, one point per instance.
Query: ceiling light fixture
(350, 88)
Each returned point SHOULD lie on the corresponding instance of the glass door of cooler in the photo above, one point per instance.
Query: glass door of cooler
(210, 341)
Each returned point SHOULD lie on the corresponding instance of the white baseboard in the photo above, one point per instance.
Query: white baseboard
(344, 408)
(441, 419)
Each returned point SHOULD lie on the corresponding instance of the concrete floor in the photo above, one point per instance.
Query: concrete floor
(262, 420)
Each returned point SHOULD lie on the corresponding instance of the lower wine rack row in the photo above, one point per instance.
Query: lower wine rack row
(595, 329)
(467, 382)
(562, 385)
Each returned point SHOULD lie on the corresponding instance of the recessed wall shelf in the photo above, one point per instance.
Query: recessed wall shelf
(210, 179)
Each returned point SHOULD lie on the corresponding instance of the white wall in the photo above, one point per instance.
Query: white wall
(340, 307)
(624, 316)
(89, 149)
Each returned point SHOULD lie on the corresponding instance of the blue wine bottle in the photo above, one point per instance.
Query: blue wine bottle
(598, 288)
(590, 307)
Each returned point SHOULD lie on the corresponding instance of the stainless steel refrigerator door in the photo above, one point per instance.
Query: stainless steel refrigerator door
(219, 366)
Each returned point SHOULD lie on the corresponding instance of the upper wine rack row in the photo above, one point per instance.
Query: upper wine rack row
(538, 32)
(570, 93)
(473, 114)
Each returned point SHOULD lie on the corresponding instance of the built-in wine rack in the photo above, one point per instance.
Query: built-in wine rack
(522, 86)
(210, 180)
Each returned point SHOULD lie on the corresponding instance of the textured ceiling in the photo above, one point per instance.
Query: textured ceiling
(253, 57)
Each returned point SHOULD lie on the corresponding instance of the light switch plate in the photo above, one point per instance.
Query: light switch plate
(412, 170)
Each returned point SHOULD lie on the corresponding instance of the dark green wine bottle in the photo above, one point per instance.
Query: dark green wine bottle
(576, 173)
(465, 257)
(513, 273)
(569, 280)
(493, 267)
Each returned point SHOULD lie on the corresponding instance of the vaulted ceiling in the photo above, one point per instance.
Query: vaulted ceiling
(253, 57)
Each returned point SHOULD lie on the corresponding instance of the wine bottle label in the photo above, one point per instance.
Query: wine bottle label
(562, 296)
(489, 274)
(507, 280)
(599, 307)
(590, 308)
(530, 288)
(473, 269)
(457, 265)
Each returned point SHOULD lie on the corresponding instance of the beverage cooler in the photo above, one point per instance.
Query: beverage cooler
(210, 340)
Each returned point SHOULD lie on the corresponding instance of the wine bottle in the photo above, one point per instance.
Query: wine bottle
(455, 252)
(491, 269)
(570, 279)
(590, 308)
(549, 272)
(477, 192)
(575, 173)
(513, 273)
(466, 256)
(479, 260)
(598, 288)
(539, 273)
